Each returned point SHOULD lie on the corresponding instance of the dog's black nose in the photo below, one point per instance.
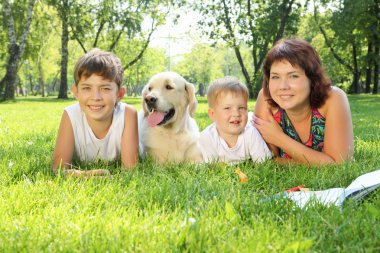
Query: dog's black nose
(150, 100)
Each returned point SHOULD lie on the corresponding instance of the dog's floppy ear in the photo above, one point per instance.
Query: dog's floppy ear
(191, 98)
(144, 107)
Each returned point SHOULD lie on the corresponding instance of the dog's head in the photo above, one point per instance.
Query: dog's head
(167, 98)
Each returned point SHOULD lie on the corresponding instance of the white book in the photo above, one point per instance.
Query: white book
(360, 187)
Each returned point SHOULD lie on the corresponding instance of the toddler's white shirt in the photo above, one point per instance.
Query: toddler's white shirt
(250, 144)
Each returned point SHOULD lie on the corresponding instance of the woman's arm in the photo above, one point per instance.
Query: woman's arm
(270, 130)
(339, 137)
(130, 139)
(261, 112)
(338, 140)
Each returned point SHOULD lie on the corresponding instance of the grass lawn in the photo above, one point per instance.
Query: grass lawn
(176, 207)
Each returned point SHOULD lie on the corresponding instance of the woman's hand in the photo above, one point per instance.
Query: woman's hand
(269, 129)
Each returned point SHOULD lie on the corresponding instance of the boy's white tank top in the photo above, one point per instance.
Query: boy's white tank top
(87, 146)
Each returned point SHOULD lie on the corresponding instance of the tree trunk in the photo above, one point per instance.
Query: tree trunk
(376, 71)
(2, 82)
(244, 71)
(285, 9)
(355, 86)
(64, 56)
(369, 69)
(142, 51)
(15, 50)
(31, 83)
(42, 81)
(236, 49)
(11, 73)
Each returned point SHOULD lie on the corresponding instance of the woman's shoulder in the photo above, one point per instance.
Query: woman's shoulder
(336, 97)
(336, 92)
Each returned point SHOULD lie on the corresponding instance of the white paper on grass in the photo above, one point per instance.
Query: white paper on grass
(360, 187)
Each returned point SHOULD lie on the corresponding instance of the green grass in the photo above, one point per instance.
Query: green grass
(176, 207)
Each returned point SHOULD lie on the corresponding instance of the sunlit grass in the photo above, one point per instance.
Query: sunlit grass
(176, 207)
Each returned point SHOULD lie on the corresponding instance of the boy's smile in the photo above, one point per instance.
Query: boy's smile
(230, 116)
(97, 98)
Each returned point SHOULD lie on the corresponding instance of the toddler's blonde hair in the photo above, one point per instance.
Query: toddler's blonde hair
(223, 85)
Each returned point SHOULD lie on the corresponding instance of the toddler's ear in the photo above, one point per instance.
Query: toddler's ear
(121, 93)
(74, 89)
(211, 113)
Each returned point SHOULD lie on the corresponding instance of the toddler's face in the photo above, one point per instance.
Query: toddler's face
(229, 114)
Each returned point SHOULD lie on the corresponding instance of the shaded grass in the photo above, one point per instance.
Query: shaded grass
(176, 207)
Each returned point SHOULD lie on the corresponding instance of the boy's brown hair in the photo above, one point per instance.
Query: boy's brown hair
(225, 84)
(102, 63)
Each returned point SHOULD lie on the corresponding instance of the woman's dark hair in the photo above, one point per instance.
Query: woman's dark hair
(299, 53)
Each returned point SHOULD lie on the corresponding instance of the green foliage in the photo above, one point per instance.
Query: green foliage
(118, 26)
(309, 30)
(206, 69)
(138, 75)
(348, 38)
(175, 207)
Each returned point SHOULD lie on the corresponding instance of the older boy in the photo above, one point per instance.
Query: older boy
(99, 126)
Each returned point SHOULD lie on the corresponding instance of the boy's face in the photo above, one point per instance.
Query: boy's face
(97, 97)
(229, 114)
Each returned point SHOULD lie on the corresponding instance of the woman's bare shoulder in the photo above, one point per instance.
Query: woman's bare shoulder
(336, 97)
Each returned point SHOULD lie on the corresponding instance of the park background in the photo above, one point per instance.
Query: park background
(178, 207)
(201, 40)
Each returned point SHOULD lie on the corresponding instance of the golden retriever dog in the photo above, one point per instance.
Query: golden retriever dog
(167, 129)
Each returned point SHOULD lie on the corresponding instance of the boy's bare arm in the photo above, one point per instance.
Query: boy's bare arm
(64, 146)
(64, 150)
(130, 139)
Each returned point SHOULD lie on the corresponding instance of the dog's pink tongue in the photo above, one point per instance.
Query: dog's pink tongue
(155, 118)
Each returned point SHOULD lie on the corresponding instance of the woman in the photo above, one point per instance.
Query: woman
(298, 113)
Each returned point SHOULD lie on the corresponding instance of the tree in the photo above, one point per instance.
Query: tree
(254, 23)
(200, 66)
(375, 29)
(104, 24)
(309, 30)
(64, 8)
(15, 49)
(138, 75)
(354, 26)
(40, 53)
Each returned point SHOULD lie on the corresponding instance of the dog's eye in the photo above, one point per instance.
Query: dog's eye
(150, 88)
(168, 87)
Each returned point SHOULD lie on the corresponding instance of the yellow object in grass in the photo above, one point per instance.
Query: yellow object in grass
(243, 177)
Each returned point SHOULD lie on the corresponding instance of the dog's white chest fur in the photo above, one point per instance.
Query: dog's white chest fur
(166, 145)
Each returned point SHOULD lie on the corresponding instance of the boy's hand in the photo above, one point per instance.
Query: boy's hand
(99, 172)
(88, 173)
(73, 173)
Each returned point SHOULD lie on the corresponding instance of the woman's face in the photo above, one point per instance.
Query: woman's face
(289, 86)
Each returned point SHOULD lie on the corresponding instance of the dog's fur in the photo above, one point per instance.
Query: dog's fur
(175, 138)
